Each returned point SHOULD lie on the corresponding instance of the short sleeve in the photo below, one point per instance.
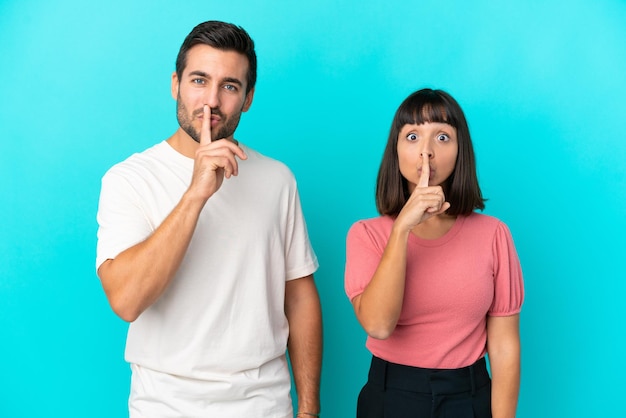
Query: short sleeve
(363, 254)
(508, 281)
(299, 255)
(121, 220)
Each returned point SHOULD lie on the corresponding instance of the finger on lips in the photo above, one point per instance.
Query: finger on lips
(205, 134)
(222, 152)
(423, 181)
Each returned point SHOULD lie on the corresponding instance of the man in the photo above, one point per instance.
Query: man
(203, 248)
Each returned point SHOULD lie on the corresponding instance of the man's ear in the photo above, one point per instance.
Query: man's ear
(248, 101)
(175, 85)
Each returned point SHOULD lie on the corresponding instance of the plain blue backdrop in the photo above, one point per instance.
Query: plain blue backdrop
(85, 84)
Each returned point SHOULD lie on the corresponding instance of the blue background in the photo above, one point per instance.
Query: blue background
(85, 84)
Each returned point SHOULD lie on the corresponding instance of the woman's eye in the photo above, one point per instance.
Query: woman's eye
(411, 137)
(443, 137)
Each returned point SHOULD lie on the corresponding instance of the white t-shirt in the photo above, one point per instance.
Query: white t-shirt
(223, 312)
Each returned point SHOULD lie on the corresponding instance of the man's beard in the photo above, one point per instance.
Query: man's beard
(229, 124)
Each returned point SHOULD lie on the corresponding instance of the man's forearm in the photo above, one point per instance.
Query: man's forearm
(305, 341)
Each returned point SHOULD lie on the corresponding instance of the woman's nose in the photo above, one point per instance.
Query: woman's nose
(426, 149)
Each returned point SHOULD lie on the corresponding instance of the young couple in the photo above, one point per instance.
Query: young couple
(203, 249)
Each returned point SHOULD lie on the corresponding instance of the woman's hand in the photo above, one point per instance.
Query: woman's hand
(425, 201)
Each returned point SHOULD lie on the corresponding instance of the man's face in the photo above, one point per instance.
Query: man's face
(218, 79)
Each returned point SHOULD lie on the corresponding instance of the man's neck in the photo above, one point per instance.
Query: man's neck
(185, 145)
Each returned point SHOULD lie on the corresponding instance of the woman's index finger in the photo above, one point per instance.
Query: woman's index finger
(423, 181)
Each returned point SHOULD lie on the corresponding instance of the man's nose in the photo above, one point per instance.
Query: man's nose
(212, 97)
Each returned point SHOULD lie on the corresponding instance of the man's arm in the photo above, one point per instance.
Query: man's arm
(303, 311)
(138, 276)
(503, 347)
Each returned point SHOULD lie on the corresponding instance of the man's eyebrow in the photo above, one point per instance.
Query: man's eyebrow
(199, 73)
(225, 80)
(233, 80)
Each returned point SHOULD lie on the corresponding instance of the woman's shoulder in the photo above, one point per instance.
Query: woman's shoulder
(379, 222)
(487, 224)
(380, 225)
(482, 219)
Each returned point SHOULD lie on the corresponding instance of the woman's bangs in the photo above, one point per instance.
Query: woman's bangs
(417, 111)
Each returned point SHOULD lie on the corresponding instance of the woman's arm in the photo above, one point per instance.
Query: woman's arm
(378, 307)
(503, 347)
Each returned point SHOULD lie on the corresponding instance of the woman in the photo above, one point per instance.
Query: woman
(435, 285)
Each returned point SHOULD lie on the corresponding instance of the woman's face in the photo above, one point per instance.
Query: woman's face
(432, 140)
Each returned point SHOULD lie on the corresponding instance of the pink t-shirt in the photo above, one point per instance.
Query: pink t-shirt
(452, 284)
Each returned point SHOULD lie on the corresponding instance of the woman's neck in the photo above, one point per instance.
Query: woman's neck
(435, 227)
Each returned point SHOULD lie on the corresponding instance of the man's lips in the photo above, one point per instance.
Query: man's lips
(215, 119)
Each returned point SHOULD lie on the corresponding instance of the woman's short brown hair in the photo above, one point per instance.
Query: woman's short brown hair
(461, 188)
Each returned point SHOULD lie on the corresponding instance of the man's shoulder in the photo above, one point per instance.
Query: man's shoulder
(141, 161)
(266, 162)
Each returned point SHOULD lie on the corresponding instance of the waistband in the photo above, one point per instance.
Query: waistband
(430, 381)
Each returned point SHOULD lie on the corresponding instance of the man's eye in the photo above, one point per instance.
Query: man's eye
(197, 81)
(230, 87)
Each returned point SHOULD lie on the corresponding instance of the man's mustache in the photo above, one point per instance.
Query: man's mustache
(215, 111)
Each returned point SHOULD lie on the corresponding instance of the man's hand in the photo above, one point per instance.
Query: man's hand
(214, 160)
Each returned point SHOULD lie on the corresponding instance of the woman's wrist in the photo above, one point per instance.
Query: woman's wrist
(399, 234)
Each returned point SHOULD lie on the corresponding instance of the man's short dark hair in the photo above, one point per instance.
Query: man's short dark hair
(223, 36)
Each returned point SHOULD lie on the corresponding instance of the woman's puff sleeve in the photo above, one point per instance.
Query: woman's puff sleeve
(363, 253)
(508, 280)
